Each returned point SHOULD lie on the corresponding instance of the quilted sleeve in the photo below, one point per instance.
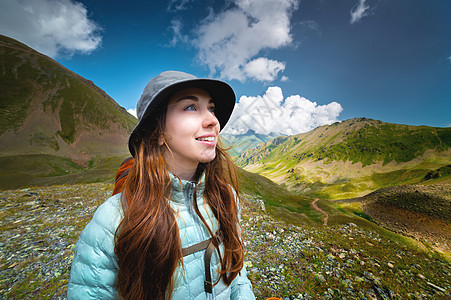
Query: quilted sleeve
(241, 287)
(94, 268)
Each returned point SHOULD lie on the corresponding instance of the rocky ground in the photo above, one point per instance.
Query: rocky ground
(419, 211)
(40, 226)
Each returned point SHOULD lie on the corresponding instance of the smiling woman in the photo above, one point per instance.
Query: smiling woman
(192, 131)
(173, 231)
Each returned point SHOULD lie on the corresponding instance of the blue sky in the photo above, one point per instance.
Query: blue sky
(308, 63)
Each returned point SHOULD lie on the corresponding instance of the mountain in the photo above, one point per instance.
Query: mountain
(48, 109)
(240, 142)
(52, 121)
(353, 157)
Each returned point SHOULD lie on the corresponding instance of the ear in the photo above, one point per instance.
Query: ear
(161, 141)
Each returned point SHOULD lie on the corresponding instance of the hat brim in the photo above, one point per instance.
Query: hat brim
(221, 93)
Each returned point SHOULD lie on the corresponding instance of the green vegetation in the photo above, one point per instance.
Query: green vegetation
(12, 111)
(43, 170)
(30, 76)
(386, 143)
(433, 201)
(369, 143)
(350, 258)
(352, 158)
(289, 253)
(278, 201)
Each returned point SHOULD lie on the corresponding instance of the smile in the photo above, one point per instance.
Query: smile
(206, 139)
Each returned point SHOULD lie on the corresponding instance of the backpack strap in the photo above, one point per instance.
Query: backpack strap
(214, 241)
(210, 245)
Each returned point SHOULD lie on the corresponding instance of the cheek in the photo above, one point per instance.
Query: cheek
(180, 128)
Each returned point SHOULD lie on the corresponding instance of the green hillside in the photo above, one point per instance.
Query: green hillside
(55, 126)
(46, 108)
(353, 157)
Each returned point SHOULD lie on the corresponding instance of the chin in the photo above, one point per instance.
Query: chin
(207, 159)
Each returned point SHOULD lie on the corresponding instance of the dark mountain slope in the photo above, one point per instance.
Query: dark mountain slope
(48, 109)
(55, 126)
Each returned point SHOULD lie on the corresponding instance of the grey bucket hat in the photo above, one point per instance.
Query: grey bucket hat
(159, 89)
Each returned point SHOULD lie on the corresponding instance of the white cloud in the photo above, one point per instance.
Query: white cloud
(52, 27)
(360, 10)
(263, 69)
(271, 113)
(132, 111)
(229, 42)
(176, 28)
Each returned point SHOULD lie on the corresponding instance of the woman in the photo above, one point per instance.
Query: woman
(173, 232)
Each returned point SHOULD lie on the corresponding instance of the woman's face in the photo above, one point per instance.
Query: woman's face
(191, 130)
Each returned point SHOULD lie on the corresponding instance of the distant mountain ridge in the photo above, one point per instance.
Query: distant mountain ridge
(352, 157)
(47, 109)
(240, 142)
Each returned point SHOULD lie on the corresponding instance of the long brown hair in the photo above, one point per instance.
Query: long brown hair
(147, 244)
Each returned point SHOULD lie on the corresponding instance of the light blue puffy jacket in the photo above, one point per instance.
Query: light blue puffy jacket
(94, 268)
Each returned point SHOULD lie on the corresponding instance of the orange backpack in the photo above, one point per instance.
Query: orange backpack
(121, 174)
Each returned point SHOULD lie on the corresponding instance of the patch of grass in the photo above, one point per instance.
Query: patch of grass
(277, 199)
(43, 170)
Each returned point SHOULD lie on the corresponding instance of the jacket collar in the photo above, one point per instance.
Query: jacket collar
(181, 185)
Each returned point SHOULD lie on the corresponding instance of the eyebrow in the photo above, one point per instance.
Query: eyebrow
(191, 97)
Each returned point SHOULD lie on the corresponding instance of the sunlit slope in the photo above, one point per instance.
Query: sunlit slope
(353, 157)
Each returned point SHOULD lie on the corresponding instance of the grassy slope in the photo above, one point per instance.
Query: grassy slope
(350, 158)
(76, 102)
(43, 170)
(50, 115)
(278, 201)
(356, 261)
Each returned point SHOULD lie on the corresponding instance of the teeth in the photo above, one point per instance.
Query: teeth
(208, 139)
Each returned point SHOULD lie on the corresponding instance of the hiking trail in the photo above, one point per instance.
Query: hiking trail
(315, 207)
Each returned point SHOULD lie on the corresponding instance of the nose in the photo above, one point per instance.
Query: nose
(209, 120)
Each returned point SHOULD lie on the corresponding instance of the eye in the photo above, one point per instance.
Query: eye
(211, 109)
(190, 107)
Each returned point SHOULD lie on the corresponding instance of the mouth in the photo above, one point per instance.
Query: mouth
(206, 139)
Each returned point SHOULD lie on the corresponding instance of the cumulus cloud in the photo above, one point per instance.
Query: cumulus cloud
(360, 10)
(263, 69)
(272, 113)
(132, 111)
(52, 27)
(231, 41)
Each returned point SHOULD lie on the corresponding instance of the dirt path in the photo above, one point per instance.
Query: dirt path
(315, 207)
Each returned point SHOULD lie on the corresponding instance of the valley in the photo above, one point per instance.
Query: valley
(359, 209)
(301, 258)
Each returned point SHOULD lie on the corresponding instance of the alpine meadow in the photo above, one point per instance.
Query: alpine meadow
(358, 209)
